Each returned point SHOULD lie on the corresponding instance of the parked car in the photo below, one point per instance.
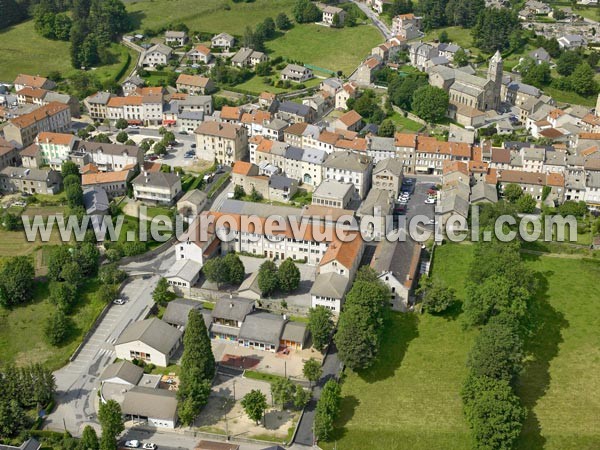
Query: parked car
(119, 301)
(230, 195)
(188, 156)
(132, 444)
(149, 446)
(193, 145)
(430, 201)
(153, 158)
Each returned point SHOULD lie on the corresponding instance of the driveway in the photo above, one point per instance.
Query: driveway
(76, 383)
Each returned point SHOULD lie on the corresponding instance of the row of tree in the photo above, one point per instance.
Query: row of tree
(361, 322)
(498, 292)
(22, 389)
(225, 269)
(285, 278)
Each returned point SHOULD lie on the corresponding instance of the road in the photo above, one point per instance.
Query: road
(174, 440)
(372, 15)
(331, 369)
(77, 382)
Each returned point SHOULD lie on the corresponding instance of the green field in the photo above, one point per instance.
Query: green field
(410, 399)
(22, 50)
(404, 124)
(328, 48)
(21, 329)
(205, 15)
(457, 35)
(256, 85)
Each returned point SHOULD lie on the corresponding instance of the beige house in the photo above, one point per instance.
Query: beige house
(195, 84)
(349, 167)
(350, 121)
(224, 142)
(296, 73)
(333, 194)
(114, 183)
(54, 117)
(151, 341)
(30, 157)
(175, 38)
(31, 181)
(329, 12)
(9, 154)
(156, 187)
(192, 203)
(387, 176)
(24, 80)
(349, 90)
(223, 40)
(157, 55)
(96, 105)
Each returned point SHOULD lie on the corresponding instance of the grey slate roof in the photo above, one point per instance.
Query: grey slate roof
(194, 196)
(111, 149)
(153, 332)
(95, 200)
(262, 327)
(294, 331)
(382, 143)
(396, 257)
(233, 308)
(29, 444)
(251, 284)
(186, 269)
(28, 174)
(330, 285)
(158, 179)
(149, 402)
(100, 98)
(348, 161)
(280, 182)
(484, 191)
(394, 165)
(123, 370)
(333, 189)
(376, 199)
(294, 108)
(178, 310)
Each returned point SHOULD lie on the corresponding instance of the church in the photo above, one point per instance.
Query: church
(470, 95)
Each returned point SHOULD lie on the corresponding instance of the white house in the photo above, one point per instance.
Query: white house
(223, 40)
(297, 73)
(156, 55)
(152, 341)
(329, 290)
(176, 38)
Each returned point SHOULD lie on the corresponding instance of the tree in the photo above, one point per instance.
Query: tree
(430, 103)
(435, 295)
(12, 417)
(513, 192)
(161, 294)
(283, 22)
(283, 391)
(267, 28)
(538, 75)
(493, 412)
(59, 256)
(87, 256)
(360, 324)
(573, 208)
(288, 276)
(320, 325)
(582, 80)
(401, 7)
(567, 62)
(461, 58)
(57, 328)
(328, 408)
(255, 404)
(443, 37)
(16, 281)
(267, 278)
(493, 29)
(74, 195)
(197, 351)
(159, 148)
(122, 137)
(235, 269)
(387, 128)
(336, 22)
(255, 196)
(11, 222)
(89, 439)
(215, 271)
(197, 396)
(121, 124)
(102, 138)
(63, 295)
(312, 370)
(526, 204)
(463, 12)
(71, 273)
(305, 11)
(111, 421)
(69, 168)
(301, 397)
(238, 192)
(433, 13)
(498, 351)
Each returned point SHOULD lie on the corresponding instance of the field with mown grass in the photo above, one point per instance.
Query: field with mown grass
(410, 398)
(22, 338)
(213, 16)
(22, 50)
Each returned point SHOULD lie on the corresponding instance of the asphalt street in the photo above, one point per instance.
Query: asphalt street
(77, 382)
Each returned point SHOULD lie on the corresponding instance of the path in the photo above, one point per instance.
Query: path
(331, 369)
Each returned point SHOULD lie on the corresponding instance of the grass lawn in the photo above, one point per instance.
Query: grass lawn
(410, 399)
(25, 51)
(457, 35)
(404, 123)
(562, 96)
(328, 48)
(21, 329)
(206, 15)
(256, 85)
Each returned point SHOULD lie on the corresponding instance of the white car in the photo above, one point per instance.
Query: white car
(430, 201)
(149, 446)
(119, 301)
(132, 444)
